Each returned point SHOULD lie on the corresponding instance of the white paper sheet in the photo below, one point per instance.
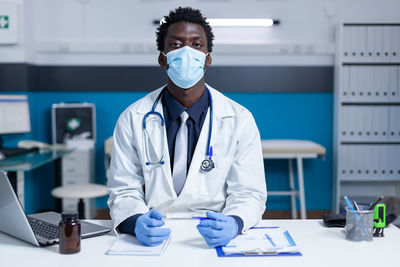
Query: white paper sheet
(130, 245)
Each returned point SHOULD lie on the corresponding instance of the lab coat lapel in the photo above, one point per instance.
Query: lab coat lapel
(221, 110)
(144, 108)
(166, 167)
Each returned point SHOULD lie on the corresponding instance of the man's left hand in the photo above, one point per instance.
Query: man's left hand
(218, 229)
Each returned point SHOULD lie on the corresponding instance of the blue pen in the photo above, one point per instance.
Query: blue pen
(355, 213)
(201, 218)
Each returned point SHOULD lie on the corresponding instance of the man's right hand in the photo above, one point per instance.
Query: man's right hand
(148, 229)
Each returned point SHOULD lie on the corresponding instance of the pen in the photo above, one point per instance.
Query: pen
(355, 205)
(348, 203)
(355, 214)
(201, 218)
(372, 206)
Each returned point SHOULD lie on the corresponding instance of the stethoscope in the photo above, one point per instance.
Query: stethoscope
(206, 165)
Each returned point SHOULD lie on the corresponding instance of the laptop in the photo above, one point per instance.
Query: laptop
(40, 229)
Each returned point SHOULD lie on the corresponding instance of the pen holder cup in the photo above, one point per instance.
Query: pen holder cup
(359, 224)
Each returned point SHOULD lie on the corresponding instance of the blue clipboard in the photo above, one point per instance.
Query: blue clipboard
(220, 252)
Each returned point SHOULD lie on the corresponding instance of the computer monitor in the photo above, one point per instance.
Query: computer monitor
(14, 115)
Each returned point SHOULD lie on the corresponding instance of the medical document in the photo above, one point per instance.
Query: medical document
(262, 240)
(130, 245)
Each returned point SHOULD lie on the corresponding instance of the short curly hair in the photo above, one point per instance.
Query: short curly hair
(187, 14)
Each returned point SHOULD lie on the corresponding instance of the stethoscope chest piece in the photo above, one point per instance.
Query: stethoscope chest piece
(207, 165)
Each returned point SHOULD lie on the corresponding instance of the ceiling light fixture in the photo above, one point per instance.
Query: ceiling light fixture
(235, 22)
(243, 22)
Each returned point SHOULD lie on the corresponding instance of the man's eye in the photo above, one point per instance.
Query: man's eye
(197, 45)
(175, 44)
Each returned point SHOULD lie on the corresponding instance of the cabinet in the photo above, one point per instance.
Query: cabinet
(74, 125)
(367, 112)
(78, 168)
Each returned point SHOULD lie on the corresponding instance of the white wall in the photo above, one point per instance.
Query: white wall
(14, 53)
(120, 32)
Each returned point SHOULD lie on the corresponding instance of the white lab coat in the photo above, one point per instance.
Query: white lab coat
(236, 186)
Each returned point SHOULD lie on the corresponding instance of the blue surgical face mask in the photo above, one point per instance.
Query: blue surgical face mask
(185, 66)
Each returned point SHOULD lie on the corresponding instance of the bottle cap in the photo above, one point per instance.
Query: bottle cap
(69, 215)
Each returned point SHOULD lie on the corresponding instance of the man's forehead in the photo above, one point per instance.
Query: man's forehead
(185, 28)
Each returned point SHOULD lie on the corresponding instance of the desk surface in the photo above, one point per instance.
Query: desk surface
(31, 161)
(320, 246)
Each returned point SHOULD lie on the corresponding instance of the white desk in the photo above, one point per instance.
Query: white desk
(320, 246)
(292, 149)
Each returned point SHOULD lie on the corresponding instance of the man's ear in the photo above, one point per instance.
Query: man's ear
(208, 61)
(162, 60)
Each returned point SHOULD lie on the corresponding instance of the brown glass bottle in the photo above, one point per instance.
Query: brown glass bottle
(70, 233)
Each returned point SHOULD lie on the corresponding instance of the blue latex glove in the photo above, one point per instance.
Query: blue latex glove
(148, 231)
(218, 229)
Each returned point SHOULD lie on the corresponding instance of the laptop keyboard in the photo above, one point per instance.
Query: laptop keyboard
(44, 229)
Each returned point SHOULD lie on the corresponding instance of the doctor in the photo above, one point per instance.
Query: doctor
(185, 149)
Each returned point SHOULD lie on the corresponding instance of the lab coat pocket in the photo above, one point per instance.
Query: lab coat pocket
(213, 183)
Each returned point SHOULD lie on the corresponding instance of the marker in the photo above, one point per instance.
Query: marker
(372, 206)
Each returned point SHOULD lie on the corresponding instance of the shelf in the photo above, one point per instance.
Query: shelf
(375, 103)
(369, 143)
(371, 63)
(369, 180)
(371, 24)
(367, 111)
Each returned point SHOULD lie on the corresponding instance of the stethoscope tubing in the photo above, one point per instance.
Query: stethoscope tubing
(153, 112)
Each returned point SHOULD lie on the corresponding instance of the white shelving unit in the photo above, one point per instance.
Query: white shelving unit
(367, 112)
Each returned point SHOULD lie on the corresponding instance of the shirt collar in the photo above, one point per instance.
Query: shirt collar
(199, 107)
(175, 108)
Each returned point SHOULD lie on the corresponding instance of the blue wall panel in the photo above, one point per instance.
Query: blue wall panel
(295, 116)
(278, 115)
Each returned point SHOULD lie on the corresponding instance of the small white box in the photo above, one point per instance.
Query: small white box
(8, 23)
